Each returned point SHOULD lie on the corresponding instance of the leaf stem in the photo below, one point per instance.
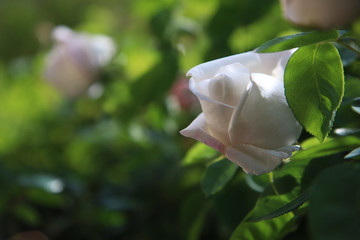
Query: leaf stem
(271, 179)
(348, 46)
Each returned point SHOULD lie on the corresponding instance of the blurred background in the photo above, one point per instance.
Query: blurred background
(110, 163)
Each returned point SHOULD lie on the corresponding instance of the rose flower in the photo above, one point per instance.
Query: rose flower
(322, 14)
(245, 114)
(75, 60)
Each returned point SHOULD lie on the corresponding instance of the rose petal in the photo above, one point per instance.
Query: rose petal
(267, 62)
(209, 69)
(219, 95)
(229, 84)
(254, 160)
(198, 130)
(265, 120)
(211, 109)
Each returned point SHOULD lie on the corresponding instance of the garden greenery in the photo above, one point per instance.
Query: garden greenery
(106, 160)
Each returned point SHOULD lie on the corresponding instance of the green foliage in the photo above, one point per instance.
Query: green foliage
(298, 40)
(331, 146)
(199, 152)
(268, 229)
(291, 206)
(217, 175)
(315, 73)
(334, 203)
(115, 166)
(193, 215)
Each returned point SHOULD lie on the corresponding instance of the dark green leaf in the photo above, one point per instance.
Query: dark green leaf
(226, 202)
(193, 214)
(314, 87)
(268, 229)
(347, 56)
(217, 175)
(199, 152)
(287, 184)
(334, 206)
(353, 153)
(291, 206)
(297, 40)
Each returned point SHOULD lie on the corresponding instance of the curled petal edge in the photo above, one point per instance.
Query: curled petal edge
(198, 130)
(254, 160)
(251, 159)
(203, 97)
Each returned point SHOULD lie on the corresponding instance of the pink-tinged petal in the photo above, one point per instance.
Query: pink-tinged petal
(198, 130)
(254, 160)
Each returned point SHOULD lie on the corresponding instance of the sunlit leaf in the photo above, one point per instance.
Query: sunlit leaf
(314, 87)
(199, 152)
(313, 149)
(298, 40)
(291, 206)
(267, 229)
(217, 175)
(334, 206)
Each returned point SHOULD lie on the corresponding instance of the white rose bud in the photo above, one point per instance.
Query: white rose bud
(76, 58)
(245, 113)
(323, 14)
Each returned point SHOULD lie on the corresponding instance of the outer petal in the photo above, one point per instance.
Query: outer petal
(219, 95)
(265, 120)
(272, 64)
(198, 130)
(209, 69)
(212, 109)
(254, 160)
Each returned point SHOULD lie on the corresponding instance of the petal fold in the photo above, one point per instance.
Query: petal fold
(198, 130)
(254, 160)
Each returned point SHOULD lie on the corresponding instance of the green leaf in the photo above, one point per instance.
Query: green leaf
(291, 206)
(312, 149)
(226, 202)
(217, 175)
(193, 215)
(314, 87)
(199, 152)
(268, 229)
(287, 184)
(297, 40)
(334, 206)
(353, 153)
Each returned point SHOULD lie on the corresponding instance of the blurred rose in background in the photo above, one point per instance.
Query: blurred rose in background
(323, 14)
(181, 97)
(75, 60)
